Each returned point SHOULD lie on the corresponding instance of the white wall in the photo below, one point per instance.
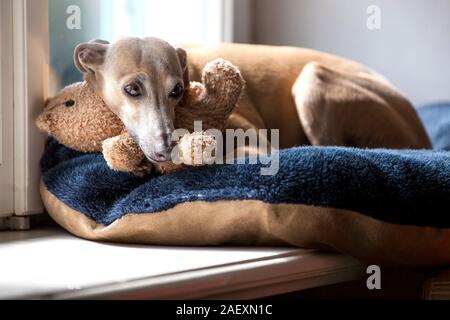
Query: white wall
(412, 48)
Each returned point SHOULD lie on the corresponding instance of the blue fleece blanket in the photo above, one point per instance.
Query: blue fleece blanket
(403, 187)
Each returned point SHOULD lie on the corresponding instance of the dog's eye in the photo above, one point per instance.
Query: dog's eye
(133, 90)
(70, 103)
(177, 91)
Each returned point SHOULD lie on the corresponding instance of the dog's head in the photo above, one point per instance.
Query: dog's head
(141, 80)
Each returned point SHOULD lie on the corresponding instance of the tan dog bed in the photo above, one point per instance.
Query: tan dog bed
(378, 205)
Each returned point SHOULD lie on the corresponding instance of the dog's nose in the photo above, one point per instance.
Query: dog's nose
(162, 152)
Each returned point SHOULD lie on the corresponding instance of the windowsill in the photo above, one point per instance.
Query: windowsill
(50, 263)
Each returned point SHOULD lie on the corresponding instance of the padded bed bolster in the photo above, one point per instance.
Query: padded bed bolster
(403, 187)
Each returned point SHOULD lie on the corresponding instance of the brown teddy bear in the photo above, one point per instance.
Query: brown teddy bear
(79, 119)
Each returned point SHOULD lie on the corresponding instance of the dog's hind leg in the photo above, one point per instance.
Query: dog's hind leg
(358, 109)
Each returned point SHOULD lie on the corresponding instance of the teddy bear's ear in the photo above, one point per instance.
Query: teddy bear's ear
(89, 56)
(182, 56)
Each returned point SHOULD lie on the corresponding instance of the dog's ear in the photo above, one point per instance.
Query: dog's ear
(88, 57)
(182, 56)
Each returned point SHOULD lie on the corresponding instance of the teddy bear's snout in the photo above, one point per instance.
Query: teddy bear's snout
(43, 122)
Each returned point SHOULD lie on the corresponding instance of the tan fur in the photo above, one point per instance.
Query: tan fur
(315, 98)
(83, 126)
(90, 126)
(122, 153)
(155, 68)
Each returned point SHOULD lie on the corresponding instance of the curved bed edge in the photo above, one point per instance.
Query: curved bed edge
(252, 222)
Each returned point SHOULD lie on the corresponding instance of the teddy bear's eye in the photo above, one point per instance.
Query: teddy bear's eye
(70, 103)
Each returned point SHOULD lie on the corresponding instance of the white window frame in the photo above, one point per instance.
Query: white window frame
(6, 112)
(31, 74)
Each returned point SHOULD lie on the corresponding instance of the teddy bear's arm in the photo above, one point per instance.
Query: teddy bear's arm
(213, 100)
(122, 153)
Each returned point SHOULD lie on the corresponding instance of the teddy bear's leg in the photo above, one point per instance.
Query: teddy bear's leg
(356, 109)
(122, 153)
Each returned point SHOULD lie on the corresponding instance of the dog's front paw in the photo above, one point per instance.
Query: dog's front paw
(122, 153)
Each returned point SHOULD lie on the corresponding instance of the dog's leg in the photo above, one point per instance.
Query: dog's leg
(355, 109)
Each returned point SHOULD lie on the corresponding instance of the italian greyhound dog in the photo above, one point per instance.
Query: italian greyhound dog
(313, 98)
